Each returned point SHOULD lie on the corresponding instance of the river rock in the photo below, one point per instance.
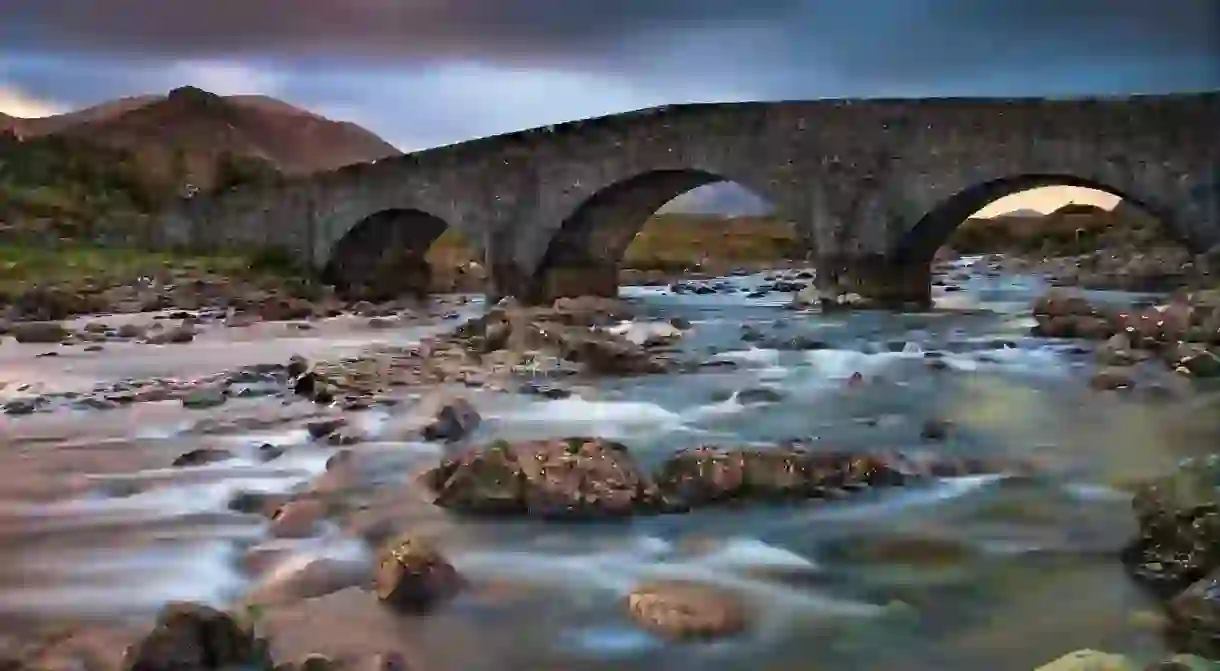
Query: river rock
(1179, 528)
(757, 395)
(320, 428)
(179, 334)
(591, 310)
(130, 330)
(191, 636)
(680, 610)
(565, 478)
(456, 419)
(22, 406)
(1197, 360)
(708, 475)
(603, 353)
(1090, 660)
(201, 456)
(202, 397)
(1110, 379)
(808, 297)
(1117, 351)
(1194, 617)
(38, 332)
(413, 576)
(570, 333)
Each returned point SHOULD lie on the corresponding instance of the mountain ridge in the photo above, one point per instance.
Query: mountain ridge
(197, 128)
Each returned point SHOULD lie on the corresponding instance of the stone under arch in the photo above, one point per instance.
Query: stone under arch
(583, 256)
(385, 255)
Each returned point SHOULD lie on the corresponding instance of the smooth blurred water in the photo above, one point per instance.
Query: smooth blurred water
(981, 572)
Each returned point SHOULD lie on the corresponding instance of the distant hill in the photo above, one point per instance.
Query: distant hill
(722, 198)
(189, 130)
(1022, 213)
(52, 124)
(103, 170)
(1075, 228)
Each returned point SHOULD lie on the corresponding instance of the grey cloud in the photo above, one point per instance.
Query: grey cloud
(378, 30)
(777, 43)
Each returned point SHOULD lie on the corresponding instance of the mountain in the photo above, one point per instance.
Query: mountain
(52, 124)
(191, 132)
(727, 199)
(1022, 213)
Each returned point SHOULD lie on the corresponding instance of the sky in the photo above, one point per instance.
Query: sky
(423, 73)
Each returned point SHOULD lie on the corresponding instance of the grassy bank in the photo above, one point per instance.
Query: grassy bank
(667, 243)
(23, 267)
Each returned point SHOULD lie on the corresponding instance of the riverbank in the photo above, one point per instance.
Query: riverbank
(265, 468)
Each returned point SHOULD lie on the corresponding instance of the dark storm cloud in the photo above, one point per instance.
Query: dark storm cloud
(775, 40)
(377, 30)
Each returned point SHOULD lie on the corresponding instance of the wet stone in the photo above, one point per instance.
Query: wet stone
(190, 636)
(201, 456)
(566, 478)
(680, 610)
(413, 576)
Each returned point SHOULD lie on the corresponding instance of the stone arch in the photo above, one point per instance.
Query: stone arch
(384, 254)
(582, 256)
(924, 214)
(918, 244)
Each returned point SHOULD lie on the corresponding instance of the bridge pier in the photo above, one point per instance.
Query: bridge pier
(884, 282)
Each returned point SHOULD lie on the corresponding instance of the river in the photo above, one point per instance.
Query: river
(978, 572)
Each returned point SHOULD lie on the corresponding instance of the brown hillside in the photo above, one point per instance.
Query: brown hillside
(101, 112)
(202, 126)
(1074, 228)
(187, 131)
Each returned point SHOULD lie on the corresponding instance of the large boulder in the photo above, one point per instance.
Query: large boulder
(194, 637)
(413, 576)
(708, 475)
(564, 478)
(1194, 618)
(38, 332)
(1179, 528)
(1177, 552)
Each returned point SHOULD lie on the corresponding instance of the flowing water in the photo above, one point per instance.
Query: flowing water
(980, 572)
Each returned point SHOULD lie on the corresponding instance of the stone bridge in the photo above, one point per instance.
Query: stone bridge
(873, 187)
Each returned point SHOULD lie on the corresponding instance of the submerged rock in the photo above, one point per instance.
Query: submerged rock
(413, 576)
(686, 610)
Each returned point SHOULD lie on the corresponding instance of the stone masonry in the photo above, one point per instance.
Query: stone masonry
(873, 186)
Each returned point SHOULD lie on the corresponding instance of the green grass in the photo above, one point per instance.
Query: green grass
(22, 267)
(676, 241)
